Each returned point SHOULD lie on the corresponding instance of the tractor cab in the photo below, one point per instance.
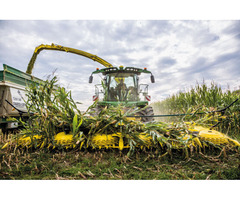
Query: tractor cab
(121, 85)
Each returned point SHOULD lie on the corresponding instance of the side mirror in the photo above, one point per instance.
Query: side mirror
(90, 79)
(152, 79)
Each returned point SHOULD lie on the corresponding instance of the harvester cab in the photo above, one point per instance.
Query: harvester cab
(121, 86)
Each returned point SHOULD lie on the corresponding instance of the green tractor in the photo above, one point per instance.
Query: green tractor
(121, 86)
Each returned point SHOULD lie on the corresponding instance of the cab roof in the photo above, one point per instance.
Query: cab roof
(121, 69)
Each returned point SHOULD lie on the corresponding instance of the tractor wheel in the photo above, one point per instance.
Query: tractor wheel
(148, 111)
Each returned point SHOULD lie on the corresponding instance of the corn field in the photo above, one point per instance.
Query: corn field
(204, 99)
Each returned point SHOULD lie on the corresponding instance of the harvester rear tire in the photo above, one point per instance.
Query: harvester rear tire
(147, 112)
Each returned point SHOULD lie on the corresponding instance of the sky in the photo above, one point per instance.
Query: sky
(179, 53)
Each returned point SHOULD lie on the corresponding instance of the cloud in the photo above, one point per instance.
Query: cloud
(166, 62)
(233, 29)
(178, 53)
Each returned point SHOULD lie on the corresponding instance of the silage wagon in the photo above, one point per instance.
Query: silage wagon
(13, 84)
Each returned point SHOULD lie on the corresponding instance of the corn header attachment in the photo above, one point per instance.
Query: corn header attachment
(128, 134)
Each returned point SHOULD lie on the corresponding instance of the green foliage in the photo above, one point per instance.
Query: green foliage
(204, 99)
(53, 110)
(110, 165)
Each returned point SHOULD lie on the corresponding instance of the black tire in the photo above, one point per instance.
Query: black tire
(5, 130)
(148, 111)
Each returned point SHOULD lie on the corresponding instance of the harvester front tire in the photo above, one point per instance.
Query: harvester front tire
(148, 111)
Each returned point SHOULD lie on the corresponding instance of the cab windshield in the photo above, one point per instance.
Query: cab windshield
(121, 87)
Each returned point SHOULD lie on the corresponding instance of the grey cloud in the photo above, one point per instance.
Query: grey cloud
(129, 31)
(227, 57)
(238, 36)
(205, 39)
(166, 62)
(159, 27)
(195, 31)
(199, 65)
(221, 67)
(233, 29)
